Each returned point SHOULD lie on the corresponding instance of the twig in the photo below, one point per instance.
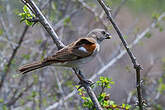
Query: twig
(45, 23)
(112, 61)
(11, 102)
(12, 57)
(137, 66)
(15, 92)
(61, 101)
(86, 85)
(114, 14)
(60, 88)
(60, 23)
(116, 107)
(93, 11)
(60, 45)
(45, 4)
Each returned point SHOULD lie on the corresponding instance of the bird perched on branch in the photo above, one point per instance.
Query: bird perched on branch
(73, 55)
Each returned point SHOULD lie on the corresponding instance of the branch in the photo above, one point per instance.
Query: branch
(14, 99)
(137, 66)
(111, 62)
(44, 23)
(7, 69)
(60, 45)
(61, 101)
(93, 11)
(60, 88)
(114, 14)
(86, 84)
(12, 57)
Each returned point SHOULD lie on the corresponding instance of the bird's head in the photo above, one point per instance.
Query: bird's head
(99, 35)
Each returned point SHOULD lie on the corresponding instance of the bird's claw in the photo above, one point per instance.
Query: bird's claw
(85, 82)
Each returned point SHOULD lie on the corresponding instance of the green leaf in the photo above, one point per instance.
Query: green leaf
(160, 80)
(163, 60)
(34, 94)
(106, 103)
(53, 4)
(15, 75)
(1, 32)
(13, 61)
(105, 82)
(5, 68)
(55, 98)
(148, 35)
(84, 98)
(4, 107)
(28, 23)
(26, 9)
(125, 37)
(67, 21)
(161, 29)
(27, 14)
(128, 106)
(22, 101)
(155, 15)
(163, 87)
(114, 105)
(28, 108)
(123, 105)
(111, 102)
(35, 78)
(1, 100)
(163, 18)
(39, 41)
(157, 25)
(26, 56)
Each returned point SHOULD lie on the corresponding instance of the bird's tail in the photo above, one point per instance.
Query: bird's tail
(33, 66)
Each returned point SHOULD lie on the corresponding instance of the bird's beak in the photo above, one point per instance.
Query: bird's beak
(108, 36)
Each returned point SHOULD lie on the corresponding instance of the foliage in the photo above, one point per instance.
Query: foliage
(148, 35)
(146, 5)
(26, 16)
(161, 81)
(44, 91)
(103, 97)
(161, 87)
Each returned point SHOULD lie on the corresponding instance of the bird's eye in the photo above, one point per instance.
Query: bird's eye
(103, 32)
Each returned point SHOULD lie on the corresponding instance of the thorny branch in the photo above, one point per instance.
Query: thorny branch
(111, 62)
(60, 45)
(137, 66)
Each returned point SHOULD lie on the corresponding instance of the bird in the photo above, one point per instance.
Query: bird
(73, 55)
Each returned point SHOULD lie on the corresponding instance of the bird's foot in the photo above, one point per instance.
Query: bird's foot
(85, 82)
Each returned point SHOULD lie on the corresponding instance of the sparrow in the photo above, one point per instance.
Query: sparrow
(73, 55)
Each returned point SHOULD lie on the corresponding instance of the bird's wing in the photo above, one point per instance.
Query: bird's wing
(74, 51)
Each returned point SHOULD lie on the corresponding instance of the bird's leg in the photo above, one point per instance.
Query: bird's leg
(82, 79)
